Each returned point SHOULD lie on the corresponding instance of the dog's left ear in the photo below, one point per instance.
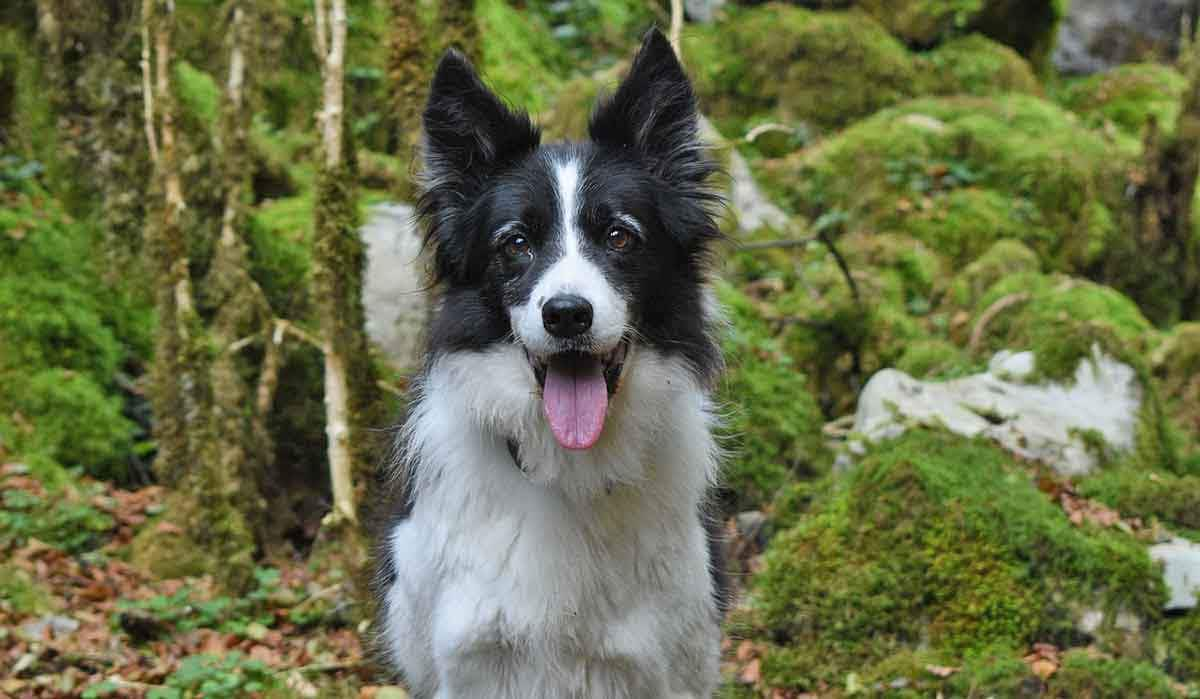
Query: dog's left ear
(654, 112)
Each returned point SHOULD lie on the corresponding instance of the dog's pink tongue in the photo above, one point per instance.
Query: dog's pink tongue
(575, 400)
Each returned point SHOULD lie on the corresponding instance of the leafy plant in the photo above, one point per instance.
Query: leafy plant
(212, 677)
(184, 610)
(67, 523)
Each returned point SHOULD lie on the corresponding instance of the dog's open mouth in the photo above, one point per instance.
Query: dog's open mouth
(576, 388)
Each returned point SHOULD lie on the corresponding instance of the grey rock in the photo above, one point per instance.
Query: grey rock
(1181, 571)
(703, 11)
(394, 299)
(1044, 422)
(1099, 34)
(58, 626)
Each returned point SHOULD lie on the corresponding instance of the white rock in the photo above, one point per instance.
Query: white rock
(394, 299)
(703, 11)
(1036, 421)
(1181, 571)
(754, 210)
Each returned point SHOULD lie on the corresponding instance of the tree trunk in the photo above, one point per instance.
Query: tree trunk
(173, 374)
(1165, 230)
(338, 265)
(408, 78)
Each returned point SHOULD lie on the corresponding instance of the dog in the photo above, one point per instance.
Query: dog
(551, 538)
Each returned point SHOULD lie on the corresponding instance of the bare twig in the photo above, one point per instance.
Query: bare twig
(997, 307)
(823, 236)
(147, 86)
(785, 243)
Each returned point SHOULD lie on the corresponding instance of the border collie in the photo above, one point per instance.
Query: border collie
(551, 539)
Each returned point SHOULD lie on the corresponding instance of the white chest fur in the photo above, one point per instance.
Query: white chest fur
(585, 576)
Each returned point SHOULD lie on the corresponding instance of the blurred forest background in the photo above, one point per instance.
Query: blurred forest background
(963, 280)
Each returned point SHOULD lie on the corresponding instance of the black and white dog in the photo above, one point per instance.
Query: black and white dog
(551, 540)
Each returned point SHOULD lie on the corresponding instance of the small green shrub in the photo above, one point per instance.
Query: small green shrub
(1106, 678)
(229, 676)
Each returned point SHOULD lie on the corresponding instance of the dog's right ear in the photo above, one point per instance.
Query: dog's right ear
(469, 135)
(469, 132)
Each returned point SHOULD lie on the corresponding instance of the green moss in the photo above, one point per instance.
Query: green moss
(1178, 646)
(775, 59)
(1003, 258)
(1128, 96)
(1082, 675)
(934, 542)
(1046, 173)
(1062, 319)
(963, 223)
(197, 92)
(67, 417)
(976, 65)
(1149, 494)
(209, 537)
(522, 61)
(774, 427)
(936, 359)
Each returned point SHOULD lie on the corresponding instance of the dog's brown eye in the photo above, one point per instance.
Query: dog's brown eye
(517, 246)
(620, 239)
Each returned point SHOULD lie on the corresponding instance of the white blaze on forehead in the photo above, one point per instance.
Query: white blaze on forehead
(572, 273)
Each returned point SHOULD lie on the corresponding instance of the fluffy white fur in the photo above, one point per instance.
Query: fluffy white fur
(576, 579)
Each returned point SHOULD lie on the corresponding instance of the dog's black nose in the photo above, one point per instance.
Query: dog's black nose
(567, 315)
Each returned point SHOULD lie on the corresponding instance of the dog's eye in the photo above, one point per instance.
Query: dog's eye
(619, 239)
(517, 247)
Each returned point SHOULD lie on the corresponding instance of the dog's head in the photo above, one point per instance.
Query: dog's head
(583, 254)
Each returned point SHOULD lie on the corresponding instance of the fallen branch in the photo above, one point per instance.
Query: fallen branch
(997, 307)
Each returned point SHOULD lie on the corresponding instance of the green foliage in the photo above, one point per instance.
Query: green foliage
(64, 520)
(184, 610)
(934, 541)
(776, 59)
(64, 334)
(228, 676)
(774, 431)
(1128, 96)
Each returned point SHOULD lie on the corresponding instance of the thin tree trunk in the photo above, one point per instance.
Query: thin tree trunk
(173, 395)
(338, 261)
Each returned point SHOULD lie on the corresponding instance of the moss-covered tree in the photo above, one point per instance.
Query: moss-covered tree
(407, 76)
(339, 263)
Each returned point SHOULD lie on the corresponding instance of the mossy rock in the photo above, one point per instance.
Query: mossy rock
(1128, 96)
(976, 65)
(1158, 495)
(939, 543)
(774, 424)
(776, 59)
(1064, 320)
(1061, 318)
(1044, 176)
